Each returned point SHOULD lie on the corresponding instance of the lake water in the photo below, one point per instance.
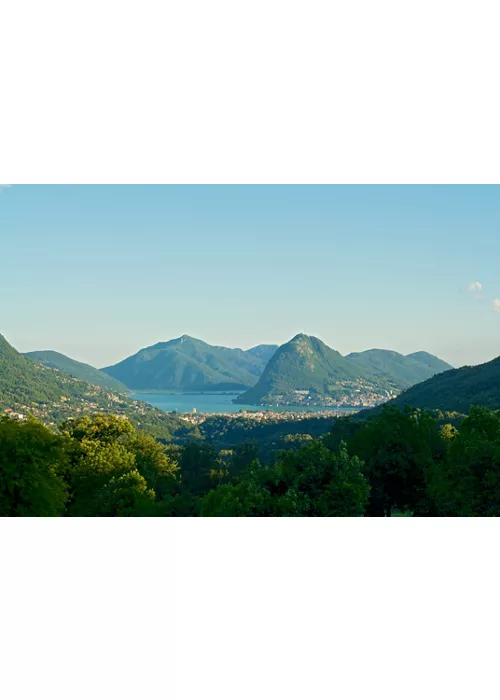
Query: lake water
(212, 403)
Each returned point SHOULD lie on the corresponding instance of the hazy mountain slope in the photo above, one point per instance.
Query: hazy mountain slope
(306, 364)
(22, 380)
(78, 370)
(402, 370)
(457, 389)
(262, 353)
(53, 396)
(431, 361)
(188, 364)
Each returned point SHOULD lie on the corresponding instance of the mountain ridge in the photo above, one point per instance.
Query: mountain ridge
(76, 369)
(306, 365)
(306, 370)
(190, 364)
(457, 389)
(402, 370)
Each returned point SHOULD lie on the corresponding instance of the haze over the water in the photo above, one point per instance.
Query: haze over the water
(97, 272)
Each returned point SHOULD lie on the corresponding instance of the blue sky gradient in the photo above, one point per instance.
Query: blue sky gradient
(97, 272)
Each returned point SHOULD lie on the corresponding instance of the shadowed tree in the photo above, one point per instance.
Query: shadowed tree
(399, 449)
(467, 481)
(31, 461)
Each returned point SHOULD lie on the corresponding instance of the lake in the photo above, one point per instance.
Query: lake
(213, 403)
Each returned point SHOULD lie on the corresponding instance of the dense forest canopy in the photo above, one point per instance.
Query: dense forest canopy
(397, 462)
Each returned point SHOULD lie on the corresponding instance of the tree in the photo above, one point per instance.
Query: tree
(31, 459)
(126, 495)
(102, 428)
(314, 481)
(107, 448)
(243, 499)
(153, 463)
(197, 461)
(467, 481)
(244, 455)
(399, 449)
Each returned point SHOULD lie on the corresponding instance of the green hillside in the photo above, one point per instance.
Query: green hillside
(402, 371)
(78, 370)
(28, 387)
(457, 389)
(306, 370)
(188, 364)
(431, 361)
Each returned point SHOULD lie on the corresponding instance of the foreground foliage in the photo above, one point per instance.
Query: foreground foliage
(396, 462)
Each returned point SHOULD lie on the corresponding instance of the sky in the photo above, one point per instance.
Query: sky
(99, 271)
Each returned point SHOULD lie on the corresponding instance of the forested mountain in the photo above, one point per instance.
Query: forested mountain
(28, 387)
(262, 353)
(24, 381)
(305, 369)
(78, 370)
(188, 364)
(402, 371)
(457, 389)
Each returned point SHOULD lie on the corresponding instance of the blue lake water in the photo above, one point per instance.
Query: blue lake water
(211, 403)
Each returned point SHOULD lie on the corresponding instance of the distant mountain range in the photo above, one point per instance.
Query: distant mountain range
(270, 374)
(188, 364)
(305, 370)
(78, 370)
(402, 371)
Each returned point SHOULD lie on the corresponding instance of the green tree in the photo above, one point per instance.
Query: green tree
(102, 428)
(399, 449)
(31, 459)
(197, 462)
(105, 449)
(153, 463)
(125, 495)
(244, 455)
(467, 481)
(243, 499)
(311, 481)
(314, 481)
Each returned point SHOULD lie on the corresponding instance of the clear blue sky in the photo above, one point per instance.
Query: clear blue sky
(97, 272)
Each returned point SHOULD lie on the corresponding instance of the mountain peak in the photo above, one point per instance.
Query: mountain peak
(301, 336)
(303, 365)
(190, 364)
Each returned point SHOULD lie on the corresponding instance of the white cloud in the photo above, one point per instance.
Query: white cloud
(474, 287)
(496, 305)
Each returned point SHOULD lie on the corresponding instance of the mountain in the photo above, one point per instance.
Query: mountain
(262, 353)
(24, 381)
(188, 364)
(78, 370)
(305, 370)
(431, 361)
(457, 389)
(52, 396)
(402, 371)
